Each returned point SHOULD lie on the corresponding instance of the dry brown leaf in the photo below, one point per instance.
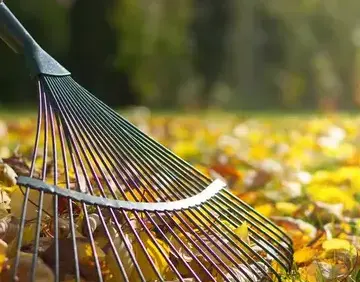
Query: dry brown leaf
(43, 272)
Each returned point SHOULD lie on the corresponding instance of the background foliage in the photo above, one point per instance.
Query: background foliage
(273, 54)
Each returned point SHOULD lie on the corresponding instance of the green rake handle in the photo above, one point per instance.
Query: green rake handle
(20, 41)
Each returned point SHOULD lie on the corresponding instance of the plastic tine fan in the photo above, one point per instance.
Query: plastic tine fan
(108, 203)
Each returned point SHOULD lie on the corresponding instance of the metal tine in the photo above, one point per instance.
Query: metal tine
(72, 103)
(86, 97)
(83, 205)
(158, 147)
(260, 223)
(26, 195)
(189, 252)
(252, 217)
(119, 229)
(124, 181)
(112, 245)
(219, 223)
(127, 246)
(115, 158)
(43, 176)
(128, 159)
(259, 240)
(143, 226)
(148, 215)
(236, 215)
(70, 203)
(236, 201)
(160, 230)
(56, 201)
(73, 148)
(182, 164)
(192, 242)
(210, 238)
(160, 249)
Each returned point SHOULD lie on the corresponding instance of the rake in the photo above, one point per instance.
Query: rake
(109, 203)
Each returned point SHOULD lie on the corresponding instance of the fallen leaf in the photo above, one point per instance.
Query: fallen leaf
(243, 232)
(155, 254)
(43, 272)
(339, 244)
(305, 255)
(7, 175)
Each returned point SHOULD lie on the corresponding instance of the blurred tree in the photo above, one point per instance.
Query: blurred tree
(92, 53)
(244, 54)
(209, 31)
(153, 47)
(319, 50)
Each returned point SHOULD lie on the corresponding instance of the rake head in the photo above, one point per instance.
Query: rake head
(102, 201)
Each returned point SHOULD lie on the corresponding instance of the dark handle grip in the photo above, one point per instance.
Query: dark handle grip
(16, 36)
(12, 31)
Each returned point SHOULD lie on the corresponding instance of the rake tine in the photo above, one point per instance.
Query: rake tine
(56, 202)
(27, 191)
(229, 257)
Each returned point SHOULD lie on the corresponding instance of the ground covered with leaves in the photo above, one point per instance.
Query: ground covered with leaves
(302, 172)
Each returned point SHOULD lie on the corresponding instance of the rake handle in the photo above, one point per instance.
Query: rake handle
(14, 34)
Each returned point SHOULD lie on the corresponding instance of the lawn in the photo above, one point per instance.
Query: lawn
(302, 171)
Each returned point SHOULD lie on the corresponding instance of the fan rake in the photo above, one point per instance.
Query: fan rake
(109, 203)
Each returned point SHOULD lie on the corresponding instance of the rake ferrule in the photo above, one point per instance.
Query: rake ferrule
(20, 41)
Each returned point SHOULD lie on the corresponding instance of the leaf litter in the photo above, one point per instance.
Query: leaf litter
(303, 173)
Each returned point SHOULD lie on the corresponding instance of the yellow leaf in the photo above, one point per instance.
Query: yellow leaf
(4, 200)
(339, 244)
(156, 256)
(124, 257)
(265, 210)
(259, 152)
(3, 249)
(331, 195)
(304, 255)
(243, 232)
(85, 252)
(7, 175)
(286, 208)
(185, 149)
